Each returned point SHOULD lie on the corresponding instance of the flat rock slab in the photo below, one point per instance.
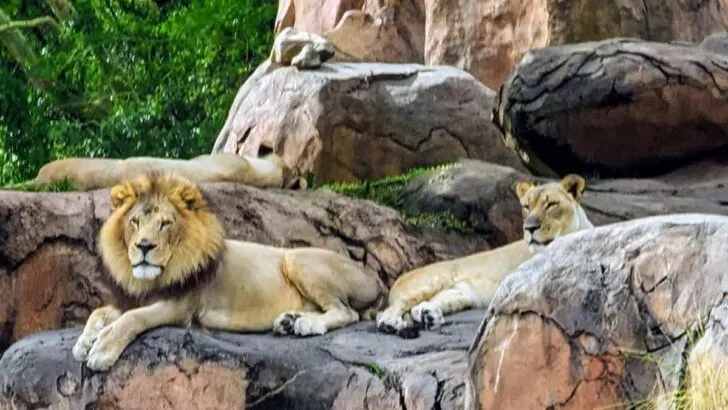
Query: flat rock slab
(346, 121)
(616, 108)
(175, 368)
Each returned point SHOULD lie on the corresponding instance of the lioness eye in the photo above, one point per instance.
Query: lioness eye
(551, 205)
(165, 224)
(134, 222)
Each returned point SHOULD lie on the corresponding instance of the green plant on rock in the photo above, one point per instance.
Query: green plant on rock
(388, 192)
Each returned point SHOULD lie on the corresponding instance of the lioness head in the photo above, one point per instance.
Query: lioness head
(159, 234)
(551, 210)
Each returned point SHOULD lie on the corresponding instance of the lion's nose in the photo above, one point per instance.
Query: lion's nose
(531, 224)
(145, 246)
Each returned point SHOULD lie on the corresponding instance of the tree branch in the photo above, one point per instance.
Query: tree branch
(29, 23)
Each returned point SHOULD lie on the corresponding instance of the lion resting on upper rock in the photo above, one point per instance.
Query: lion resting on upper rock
(161, 244)
(95, 173)
(430, 292)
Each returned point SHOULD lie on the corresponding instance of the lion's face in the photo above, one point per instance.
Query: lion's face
(159, 233)
(550, 210)
(151, 230)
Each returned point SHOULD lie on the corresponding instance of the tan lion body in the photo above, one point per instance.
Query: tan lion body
(95, 173)
(428, 293)
(162, 244)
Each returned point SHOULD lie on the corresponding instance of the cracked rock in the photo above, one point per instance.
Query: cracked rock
(175, 368)
(352, 121)
(575, 108)
(51, 275)
(603, 317)
(488, 38)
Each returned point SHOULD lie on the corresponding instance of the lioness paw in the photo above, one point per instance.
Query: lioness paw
(428, 315)
(390, 324)
(105, 351)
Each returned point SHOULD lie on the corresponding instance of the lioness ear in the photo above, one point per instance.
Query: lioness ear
(523, 187)
(574, 184)
(122, 193)
(188, 196)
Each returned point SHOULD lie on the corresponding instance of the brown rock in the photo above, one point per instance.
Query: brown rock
(616, 108)
(602, 317)
(51, 276)
(345, 122)
(488, 38)
(361, 30)
(174, 368)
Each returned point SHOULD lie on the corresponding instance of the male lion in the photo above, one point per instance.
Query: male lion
(95, 173)
(430, 292)
(162, 245)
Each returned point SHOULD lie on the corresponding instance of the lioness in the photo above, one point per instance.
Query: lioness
(95, 173)
(162, 245)
(430, 292)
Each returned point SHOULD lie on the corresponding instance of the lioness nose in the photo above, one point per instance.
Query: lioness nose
(531, 224)
(145, 246)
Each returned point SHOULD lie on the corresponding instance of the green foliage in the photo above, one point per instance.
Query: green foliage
(125, 78)
(388, 192)
(30, 186)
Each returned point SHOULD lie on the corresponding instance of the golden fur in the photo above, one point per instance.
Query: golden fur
(95, 173)
(428, 293)
(162, 245)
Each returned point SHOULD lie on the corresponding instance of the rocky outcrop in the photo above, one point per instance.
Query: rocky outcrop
(488, 38)
(51, 276)
(174, 368)
(483, 195)
(603, 317)
(347, 122)
(361, 30)
(616, 108)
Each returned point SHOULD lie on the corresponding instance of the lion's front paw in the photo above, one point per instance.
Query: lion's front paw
(427, 315)
(105, 351)
(81, 348)
(390, 324)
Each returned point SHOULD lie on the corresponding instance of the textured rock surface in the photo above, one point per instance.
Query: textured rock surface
(361, 30)
(483, 195)
(602, 317)
(51, 277)
(487, 38)
(173, 368)
(364, 121)
(616, 108)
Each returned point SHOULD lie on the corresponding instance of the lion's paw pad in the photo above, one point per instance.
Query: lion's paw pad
(428, 315)
(390, 324)
(100, 358)
(283, 324)
(81, 348)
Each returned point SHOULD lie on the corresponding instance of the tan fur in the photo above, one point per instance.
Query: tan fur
(95, 173)
(192, 274)
(429, 293)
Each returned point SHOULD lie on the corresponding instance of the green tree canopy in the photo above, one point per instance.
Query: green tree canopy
(118, 78)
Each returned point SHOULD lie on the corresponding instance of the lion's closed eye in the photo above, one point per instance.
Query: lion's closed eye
(165, 224)
(134, 222)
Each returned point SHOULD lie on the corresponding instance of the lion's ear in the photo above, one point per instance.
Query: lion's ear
(188, 196)
(523, 187)
(574, 185)
(122, 193)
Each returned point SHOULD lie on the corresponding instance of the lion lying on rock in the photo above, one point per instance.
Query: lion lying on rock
(95, 173)
(429, 293)
(162, 245)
